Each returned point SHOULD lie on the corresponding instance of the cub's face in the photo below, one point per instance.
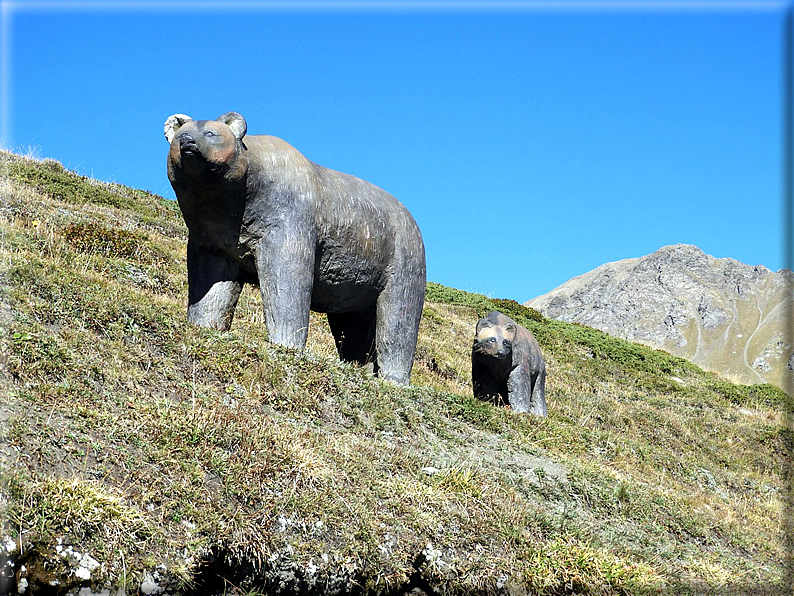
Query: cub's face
(200, 146)
(494, 341)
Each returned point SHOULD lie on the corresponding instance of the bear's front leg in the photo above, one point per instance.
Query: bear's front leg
(213, 287)
(285, 267)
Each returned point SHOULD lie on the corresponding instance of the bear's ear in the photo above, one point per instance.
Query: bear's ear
(172, 124)
(236, 122)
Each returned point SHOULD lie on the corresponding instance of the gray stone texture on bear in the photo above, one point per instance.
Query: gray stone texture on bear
(507, 365)
(259, 212)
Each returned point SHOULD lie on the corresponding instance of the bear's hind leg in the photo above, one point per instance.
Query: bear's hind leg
(354, 335)
(397, 328)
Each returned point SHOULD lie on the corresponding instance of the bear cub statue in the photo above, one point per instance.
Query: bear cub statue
(259, 212)
(507, 366)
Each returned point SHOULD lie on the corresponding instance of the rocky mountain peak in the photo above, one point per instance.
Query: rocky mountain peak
(722, 314)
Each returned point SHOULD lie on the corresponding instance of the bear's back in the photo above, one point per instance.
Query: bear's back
(340, 198)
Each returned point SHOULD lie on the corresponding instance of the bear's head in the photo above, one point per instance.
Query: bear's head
(206, 148)
(494, 338)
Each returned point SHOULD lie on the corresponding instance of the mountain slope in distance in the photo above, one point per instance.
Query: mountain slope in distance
(723, 315)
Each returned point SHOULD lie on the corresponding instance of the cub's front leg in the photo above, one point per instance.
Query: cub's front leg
(483, 383)
(538, 400)
(519, 389)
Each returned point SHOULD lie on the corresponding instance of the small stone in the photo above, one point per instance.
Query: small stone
(188, 525)
(10, 545)
(89, 562)
(149, 586)
(82, 573)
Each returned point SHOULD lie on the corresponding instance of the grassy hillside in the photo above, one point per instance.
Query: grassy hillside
(142, 453)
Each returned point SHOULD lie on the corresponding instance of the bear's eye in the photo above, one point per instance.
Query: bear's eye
(491, 340)
(505, 343)
(209, 133)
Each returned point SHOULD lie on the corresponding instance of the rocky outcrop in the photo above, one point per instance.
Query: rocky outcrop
(723, 315)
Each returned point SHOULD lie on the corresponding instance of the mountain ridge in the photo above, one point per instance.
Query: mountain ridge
(721, 314)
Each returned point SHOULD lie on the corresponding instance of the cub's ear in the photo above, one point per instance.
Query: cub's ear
(236, 122)
(483, 324)
(172, 124)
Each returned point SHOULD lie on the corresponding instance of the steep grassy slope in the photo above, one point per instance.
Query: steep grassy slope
(143, 453)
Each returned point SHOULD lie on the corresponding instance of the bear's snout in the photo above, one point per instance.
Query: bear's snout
(187, 143)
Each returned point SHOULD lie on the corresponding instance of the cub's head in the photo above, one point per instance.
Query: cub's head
(494, 336)
(205, 147)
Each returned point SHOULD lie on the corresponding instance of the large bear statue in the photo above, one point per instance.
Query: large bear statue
(507, 366)
(259, 212)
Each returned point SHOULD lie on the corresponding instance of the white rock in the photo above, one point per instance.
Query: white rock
(10, 546)
(149, 586)
(188, 525)
(761, 364)
(90, 592)
(82, 573)
(89, 562)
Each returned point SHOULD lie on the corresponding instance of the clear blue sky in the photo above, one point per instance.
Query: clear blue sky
(531, 143)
